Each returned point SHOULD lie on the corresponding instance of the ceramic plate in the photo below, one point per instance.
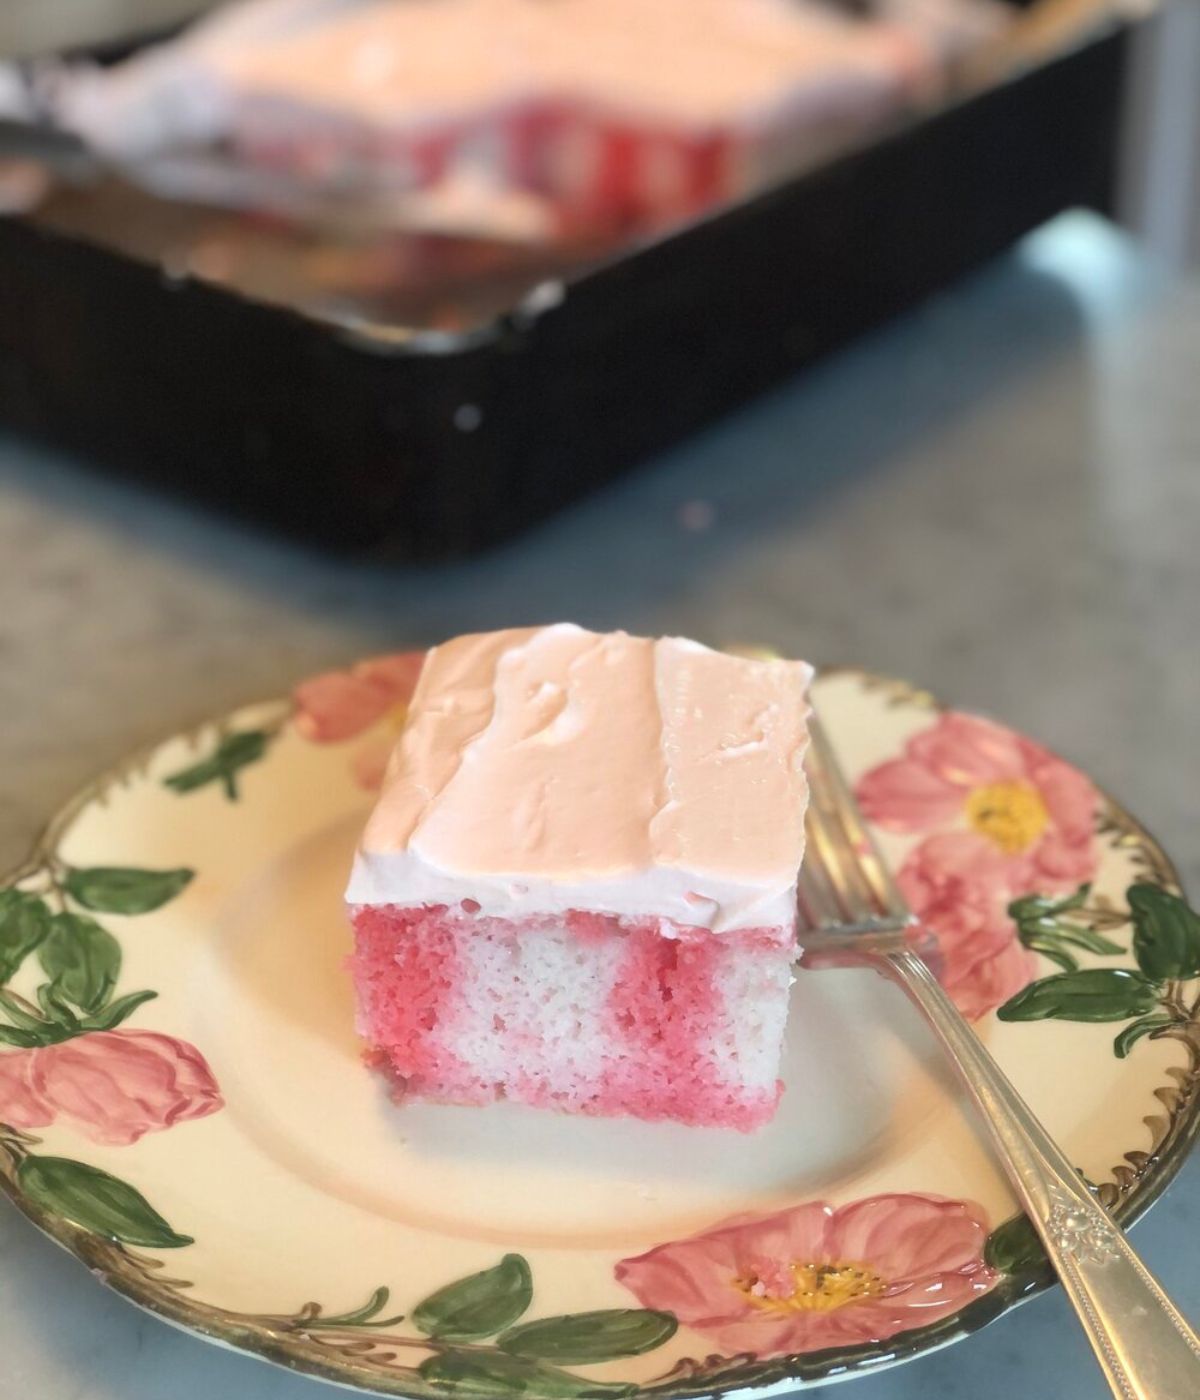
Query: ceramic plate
(184, 1107)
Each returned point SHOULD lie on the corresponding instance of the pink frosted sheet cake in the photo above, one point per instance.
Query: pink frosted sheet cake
(577, 889)
(598, 112)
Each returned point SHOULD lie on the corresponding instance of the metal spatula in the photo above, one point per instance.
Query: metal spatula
(852, 913)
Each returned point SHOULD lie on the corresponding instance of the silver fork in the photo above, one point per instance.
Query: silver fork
(852, 913)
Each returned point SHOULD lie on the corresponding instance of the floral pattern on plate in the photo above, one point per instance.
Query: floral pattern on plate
(109, 1086)
(816, 1276)
(999, 816)
(370, 699)
(70, 1062)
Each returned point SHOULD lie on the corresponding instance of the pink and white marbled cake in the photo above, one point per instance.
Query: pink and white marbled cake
(577, 889)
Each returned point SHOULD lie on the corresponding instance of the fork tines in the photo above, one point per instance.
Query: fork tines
(845, 887)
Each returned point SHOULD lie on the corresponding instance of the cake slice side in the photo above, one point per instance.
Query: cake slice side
(591, 1014)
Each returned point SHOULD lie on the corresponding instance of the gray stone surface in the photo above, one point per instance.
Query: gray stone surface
(998, 496)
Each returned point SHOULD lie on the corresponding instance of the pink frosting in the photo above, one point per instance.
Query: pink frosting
(548, 769)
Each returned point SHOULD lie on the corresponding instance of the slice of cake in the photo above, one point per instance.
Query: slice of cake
(577, 889)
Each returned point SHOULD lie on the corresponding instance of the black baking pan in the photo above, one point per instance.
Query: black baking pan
(365, 433)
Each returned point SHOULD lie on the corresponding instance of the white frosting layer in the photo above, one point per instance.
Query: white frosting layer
(547, 769)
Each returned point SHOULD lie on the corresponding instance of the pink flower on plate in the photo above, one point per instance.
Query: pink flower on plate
(21, 1106)
(1005, 817)
(961, 893)
(340, 705)
(814, 1276)
(114, 1086)
(1008, 795)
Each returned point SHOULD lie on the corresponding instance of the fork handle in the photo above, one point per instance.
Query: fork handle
(1142, 1342)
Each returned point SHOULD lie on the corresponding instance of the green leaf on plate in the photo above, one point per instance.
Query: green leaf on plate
(1039, 906)
(81, 959)
(116, 1011)
(1050, 948)
(98, 1202)
(1166, 933)
(1042, 927)
(493, 1374)
(55, 1008)
(366, 1316)
(1014, 1246)
(110, 889)
(24, 921)
(23, 1040)
(48, 1028)
(233, 753)
(1095, 994)
(479, 1305)
(20, 1013)
(1129, 1036)
(1079, 936)
(578, 1339)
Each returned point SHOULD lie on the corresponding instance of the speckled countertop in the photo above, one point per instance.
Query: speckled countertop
(998, 496)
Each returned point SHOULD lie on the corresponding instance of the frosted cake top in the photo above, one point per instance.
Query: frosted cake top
(551, 768)
(722, 60)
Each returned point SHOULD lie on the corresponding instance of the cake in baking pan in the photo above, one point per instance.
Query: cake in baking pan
(600, 113)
